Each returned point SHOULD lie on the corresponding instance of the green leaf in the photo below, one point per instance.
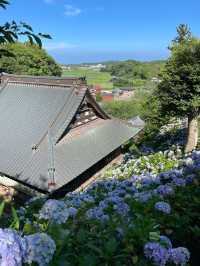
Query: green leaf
(28, 229)
(135, 259)
(15, 224)
(154, 236)
(111, 246)
(2, 206)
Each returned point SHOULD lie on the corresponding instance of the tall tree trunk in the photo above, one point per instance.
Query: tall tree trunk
(192, 133)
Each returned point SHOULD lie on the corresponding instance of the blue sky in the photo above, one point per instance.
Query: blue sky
(98, 30)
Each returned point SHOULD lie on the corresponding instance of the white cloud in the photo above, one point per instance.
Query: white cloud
(71, 11)
(51, 46)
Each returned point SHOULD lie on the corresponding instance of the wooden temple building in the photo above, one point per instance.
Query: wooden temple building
(53, 134)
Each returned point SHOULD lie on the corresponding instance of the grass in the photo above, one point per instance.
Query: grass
(94, 77)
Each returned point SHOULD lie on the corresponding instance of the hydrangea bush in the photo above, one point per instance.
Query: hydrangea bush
(143, 212)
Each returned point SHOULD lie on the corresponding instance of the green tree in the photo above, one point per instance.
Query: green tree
(179, 91)
(11, 31)
(29, 60)
(183, 34)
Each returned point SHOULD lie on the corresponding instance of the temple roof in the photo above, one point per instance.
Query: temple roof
(33, 112)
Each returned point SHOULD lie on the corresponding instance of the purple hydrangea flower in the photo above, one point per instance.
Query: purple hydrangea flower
(157, 253)
(40, 249)
(179, 256)
(163, 207)
(12, 248)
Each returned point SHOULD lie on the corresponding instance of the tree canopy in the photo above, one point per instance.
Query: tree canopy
(179, 91)
(29, 60)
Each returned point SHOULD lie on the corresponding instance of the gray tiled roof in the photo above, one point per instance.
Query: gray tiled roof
(63, 81)
(29, 111)
(26, 111)
(75, 154)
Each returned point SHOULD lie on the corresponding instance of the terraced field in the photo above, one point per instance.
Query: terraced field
(94, 77)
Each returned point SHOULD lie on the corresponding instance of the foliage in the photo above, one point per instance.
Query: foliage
(119, 83)
(183, 34)
(98, 97)
(128, 109)
(11, 31)
(130, 70)
(179, 91)
(28, 59)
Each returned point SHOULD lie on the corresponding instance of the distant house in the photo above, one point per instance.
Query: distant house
(97, 67)
(54, 136)
(107, 96)
(126, 89)
(156, 80)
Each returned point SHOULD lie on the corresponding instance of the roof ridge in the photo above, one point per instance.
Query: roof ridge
(70, 116)
(41, 77)
(34, 84)
(50, 126)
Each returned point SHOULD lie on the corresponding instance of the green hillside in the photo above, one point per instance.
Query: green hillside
(118, 74)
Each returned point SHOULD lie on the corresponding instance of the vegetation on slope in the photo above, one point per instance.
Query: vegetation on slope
(28, 59)
(132, 72)
(128, 109)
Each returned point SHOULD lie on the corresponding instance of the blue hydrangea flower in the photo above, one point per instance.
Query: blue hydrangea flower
(12, 248)
(121, 208)
(54, 211)
(97, 214)
(75, 199)
(157, 253)
(190, 179)
(164, 190)
(179, 256)
(72, 211)
(40, 249)
(163, 207)
(144, 196)
(180, 182)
